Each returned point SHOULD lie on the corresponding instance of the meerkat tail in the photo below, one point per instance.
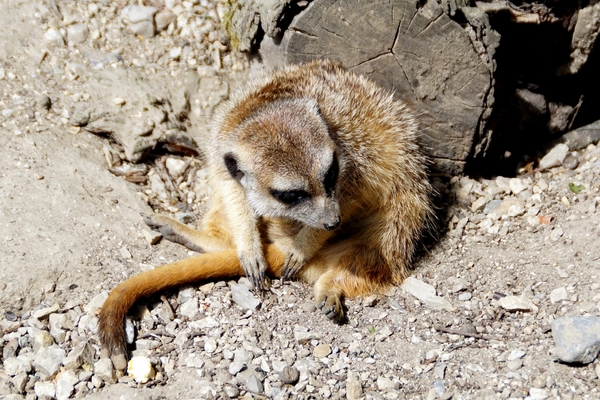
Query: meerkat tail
(223, 264)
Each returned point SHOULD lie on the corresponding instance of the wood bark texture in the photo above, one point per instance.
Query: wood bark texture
(475, 100)
(418, 53)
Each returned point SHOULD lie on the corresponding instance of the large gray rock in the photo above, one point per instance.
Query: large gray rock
(577, 338)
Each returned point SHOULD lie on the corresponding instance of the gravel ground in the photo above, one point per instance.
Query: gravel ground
(474, 322)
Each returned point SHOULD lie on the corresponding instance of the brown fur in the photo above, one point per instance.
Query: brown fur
(282, 129)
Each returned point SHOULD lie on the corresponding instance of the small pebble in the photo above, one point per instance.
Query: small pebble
(45, 389)
(514, 303)
(289, 375)
(440, 370)
(555, 157)
(103, 369)
(243, 297)
(465, 296)
(54, 36)
(571, 161)
(426, 294)
(151, 237)
(254, 385)
(78, 33)
(140, 369)
(559, 294)
(322, 350)
(354, 389)
(48, 360)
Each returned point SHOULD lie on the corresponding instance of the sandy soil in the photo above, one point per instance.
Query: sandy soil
(70, 230)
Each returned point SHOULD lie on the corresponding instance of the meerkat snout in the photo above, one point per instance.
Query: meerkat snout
(330, 214)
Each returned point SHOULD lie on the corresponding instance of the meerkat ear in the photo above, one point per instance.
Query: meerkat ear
(232, 166)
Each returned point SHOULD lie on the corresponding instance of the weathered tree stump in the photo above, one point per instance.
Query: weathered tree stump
(475, 99)
(418, 53)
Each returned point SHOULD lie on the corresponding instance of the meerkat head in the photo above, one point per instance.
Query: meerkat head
(287, 163)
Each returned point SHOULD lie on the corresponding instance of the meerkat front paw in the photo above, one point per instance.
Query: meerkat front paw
(170, 229)
(294, 262)
(331, 305)
(255, 268)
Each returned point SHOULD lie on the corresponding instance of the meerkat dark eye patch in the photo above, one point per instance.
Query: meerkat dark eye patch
(290, 197)
(331, 176)
(232, 166)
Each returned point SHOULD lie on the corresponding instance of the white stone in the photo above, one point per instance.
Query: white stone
(144, 28)
(559, 294)
(194, 360)
(41, 338)
(45, 389)
(20, 381)
(140, 368)
(96, 302)
(465, 296)
(516, 355)
(163, 19)
(210, 346)
(175, 166)
(478, 204)
(65, 385)
(44, 312)
(140, 13)
(426, 294)
(555, 157)
(384, 383)
(517, 185)
(353, 386)
(16, 365)
(510, 207)
(253, 384)
(158, 186)
(538, 394)
(104, 370)
(54, 36)
(175, 53)
(81, 355)
(189, 308)
(78, 33)
(514, 303)
(48, 360)
(243, 297)
(93, 9)
(577, 338)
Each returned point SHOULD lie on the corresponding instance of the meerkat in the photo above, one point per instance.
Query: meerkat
(316, 174)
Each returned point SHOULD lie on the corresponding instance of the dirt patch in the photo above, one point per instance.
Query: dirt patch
(71, 230)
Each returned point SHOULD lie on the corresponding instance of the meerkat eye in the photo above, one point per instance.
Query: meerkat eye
(331, 176)
(232, 166)
(290, 197)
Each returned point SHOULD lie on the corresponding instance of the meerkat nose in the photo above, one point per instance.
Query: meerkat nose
(332, 224)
